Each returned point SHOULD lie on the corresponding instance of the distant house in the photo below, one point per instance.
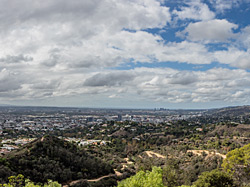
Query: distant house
(199, 129)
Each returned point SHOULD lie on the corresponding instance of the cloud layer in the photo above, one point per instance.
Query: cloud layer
(110, 51)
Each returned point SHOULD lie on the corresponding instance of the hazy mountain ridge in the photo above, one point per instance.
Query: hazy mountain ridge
(236, 110)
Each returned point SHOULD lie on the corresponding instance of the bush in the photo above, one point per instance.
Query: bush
(214, 178)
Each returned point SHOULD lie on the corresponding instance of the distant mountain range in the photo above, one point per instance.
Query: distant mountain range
(234, 110)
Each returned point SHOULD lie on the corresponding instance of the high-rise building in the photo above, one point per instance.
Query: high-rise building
(119, 117)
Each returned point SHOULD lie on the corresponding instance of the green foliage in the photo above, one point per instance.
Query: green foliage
(19, 181)
(237, 158)
(237, 163)
(49, 184)
(144, 179)
(170, 176)
(214, 178)
(16, 180)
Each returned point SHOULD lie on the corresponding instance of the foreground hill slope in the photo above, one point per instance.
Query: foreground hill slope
(52, 158)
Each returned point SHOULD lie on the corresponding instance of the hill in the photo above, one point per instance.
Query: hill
(231, 130)
(52, 158)
(230, 111)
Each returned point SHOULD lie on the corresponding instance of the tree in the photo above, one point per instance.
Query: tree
(237, 163)
(19, 181)
(144, 179)
(214, 178)
(170, 176)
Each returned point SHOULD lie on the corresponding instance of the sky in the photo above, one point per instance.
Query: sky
(176, 54)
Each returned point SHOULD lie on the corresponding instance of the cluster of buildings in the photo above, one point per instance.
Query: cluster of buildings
(33, 121)
(8, 145)
(65, 121)
(83, 142)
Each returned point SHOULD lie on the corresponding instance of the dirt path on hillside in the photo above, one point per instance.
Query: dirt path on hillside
(91, 180)
(151, 153)
(100, 178)
(118, 174)
(210, 153)
(127, 160)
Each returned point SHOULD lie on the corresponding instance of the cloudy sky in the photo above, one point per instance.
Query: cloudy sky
(125, 53)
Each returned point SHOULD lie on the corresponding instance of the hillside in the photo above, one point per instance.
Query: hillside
(230, 111)
(231, 130)
(52, 158)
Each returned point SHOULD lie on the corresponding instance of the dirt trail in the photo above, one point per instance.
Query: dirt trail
(118, 174)
(151, 153)
(90, 180)
(210, 153)
(100, 178)
(127, 160)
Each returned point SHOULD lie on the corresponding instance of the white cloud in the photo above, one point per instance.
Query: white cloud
(150, 84)
(132, 14)
(63, 35)
(189, 52)
(244, 37)
(222, 5)
(57, 49)
(183, 78)
(208, 86)
(111, 79)
(234, 57)
(16, 59)
(210, 31)
(167, 84)
(243, 61)
(145, 47)
(196, 11)
(9, 81)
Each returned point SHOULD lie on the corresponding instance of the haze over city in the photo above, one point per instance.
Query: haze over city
(125, 54)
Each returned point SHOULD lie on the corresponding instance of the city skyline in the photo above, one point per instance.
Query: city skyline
(125, 54)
